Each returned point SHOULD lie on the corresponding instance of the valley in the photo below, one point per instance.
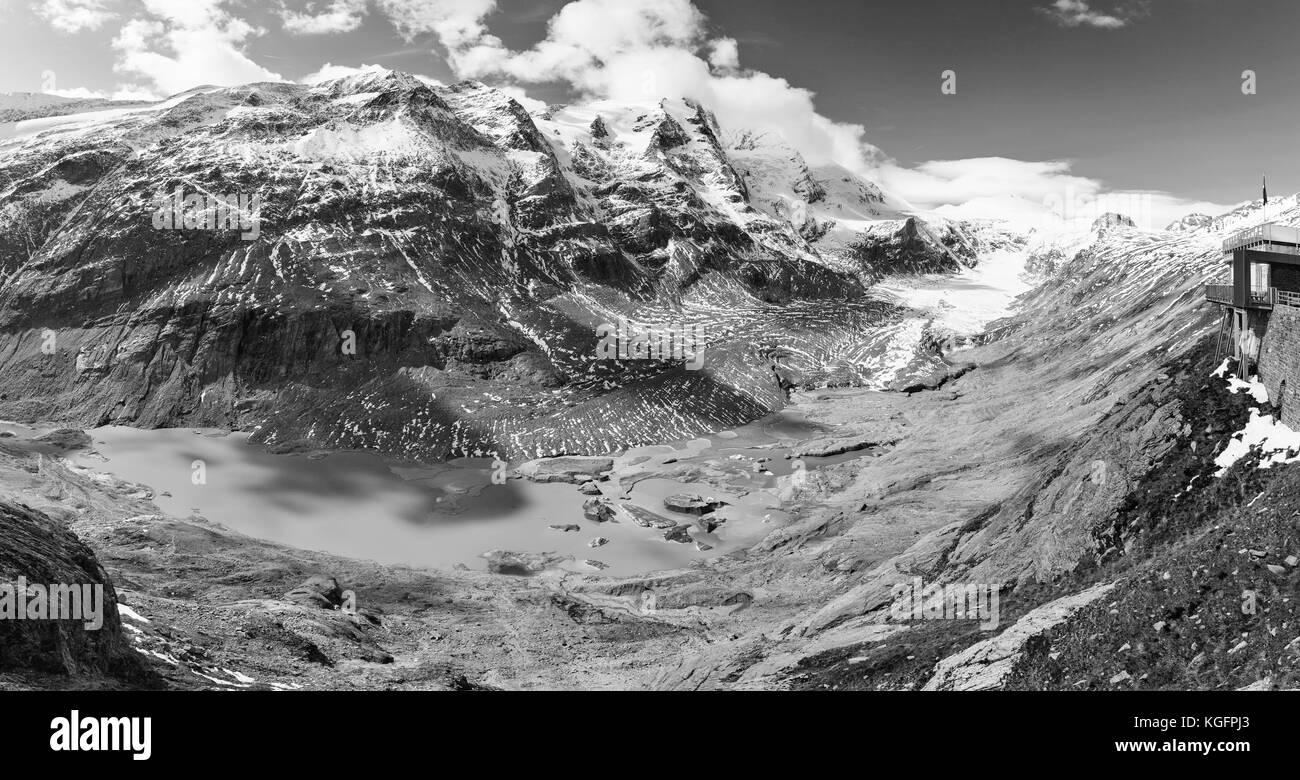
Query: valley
(884, 398)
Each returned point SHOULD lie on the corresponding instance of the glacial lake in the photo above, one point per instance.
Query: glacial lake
(361, 506)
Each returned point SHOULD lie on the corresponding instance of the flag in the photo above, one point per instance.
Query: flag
(1265, 190)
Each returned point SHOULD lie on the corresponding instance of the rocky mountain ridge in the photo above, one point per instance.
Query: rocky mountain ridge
(428, 266)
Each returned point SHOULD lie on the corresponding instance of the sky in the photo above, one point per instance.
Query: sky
(967, 108)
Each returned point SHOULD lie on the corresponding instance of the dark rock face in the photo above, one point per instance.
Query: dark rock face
(1110, 220)
(914, 248)
(41, 552)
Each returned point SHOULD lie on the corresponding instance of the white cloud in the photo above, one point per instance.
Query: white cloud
(1075, 13)
(633, 50)
(1031, 194)
(457, 23)
(329, 71)
(724, 53)
(637, 50)
(82, 93)
(181, 44)
(948, 182)
(339, 17)
(72, 16)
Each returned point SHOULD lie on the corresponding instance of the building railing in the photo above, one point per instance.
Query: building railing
(1265, 234)
(1219, 293)
(1265, 246)
(1287, 298)
(1259, 299)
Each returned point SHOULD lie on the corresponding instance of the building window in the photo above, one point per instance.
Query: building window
(1259, 277)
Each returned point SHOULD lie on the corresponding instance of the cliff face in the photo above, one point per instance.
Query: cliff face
(38, 552)
(409, 251)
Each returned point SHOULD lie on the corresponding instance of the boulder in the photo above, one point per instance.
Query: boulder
(65, 439)
(647, 519)
(599, 541)
(319, 591)
(521, 564)
(567, 527)
(693, 503)
(680, 534)
(709, 523)
(598, 510)
(589, 489)
(572, 469)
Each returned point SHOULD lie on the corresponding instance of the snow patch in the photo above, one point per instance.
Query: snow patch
(346, 141)
(1275, 440)
(1254, 388)
(130, 614)
(967, 301)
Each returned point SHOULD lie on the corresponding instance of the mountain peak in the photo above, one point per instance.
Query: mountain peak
(375, 79)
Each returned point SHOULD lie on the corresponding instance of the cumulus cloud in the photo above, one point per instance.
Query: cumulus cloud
(178, 44)
(643, 50)
(631, 50)
(1077, 13)
(318, 18)
(457, 23)
(71, 16)
(637, 50)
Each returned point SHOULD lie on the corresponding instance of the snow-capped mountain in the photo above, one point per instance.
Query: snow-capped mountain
(425, 270)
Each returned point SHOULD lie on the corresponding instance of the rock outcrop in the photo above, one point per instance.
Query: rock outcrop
(86, 639)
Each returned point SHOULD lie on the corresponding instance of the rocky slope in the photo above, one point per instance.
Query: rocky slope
(1075, 471)
(37, 640)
